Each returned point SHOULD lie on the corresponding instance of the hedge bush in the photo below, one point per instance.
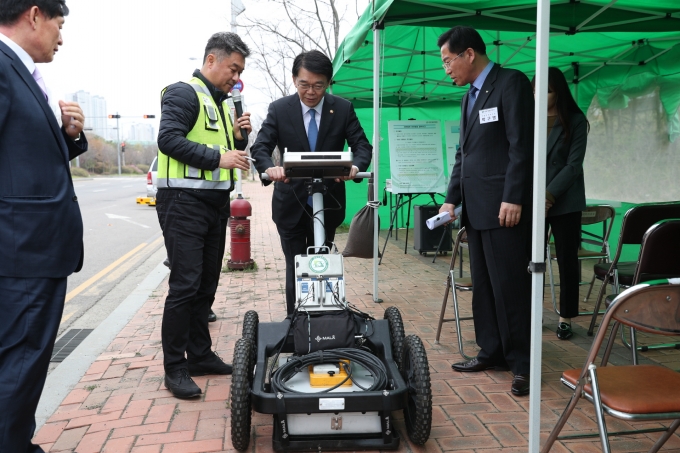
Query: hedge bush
(79, 172)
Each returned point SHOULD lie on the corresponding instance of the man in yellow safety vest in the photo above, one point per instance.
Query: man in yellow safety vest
(198, 150)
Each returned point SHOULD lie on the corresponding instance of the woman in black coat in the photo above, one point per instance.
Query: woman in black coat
(565, 195)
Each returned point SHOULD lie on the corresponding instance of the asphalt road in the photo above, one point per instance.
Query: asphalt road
(123, 243)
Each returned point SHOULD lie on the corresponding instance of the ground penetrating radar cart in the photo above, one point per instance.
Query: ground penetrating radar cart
(330, 375)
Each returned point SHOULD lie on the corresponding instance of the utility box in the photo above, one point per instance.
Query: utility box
(427, 240)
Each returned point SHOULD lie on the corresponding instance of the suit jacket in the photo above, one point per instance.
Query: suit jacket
(285, 128)
(564, 173)
(41, 230)
(495, 160)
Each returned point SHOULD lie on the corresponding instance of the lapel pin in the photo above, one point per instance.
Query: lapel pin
(486, 91)
(331, 111)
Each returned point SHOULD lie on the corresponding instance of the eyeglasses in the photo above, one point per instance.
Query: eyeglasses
(317, 87)
(446, 64)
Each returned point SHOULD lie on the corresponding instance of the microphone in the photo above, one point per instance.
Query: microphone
(236, 96)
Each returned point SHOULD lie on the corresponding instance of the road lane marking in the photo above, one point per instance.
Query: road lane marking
(66, 317)
(87, 283)
(126, 219)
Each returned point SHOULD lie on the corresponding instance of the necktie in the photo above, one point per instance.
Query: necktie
(472, 97)
(39, 80)
(312, 133)
(312, 130)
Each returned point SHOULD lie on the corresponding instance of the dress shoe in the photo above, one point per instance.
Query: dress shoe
(564, 331)
(520, 385)
(212, 317)
(166, 263)
(472, 365)
(180, 384)
(210, 365)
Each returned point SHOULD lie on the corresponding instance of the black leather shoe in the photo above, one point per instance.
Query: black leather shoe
(212, 317)
(472, 365)
(166, 263)
(564, 331)
(211, 365)
(181, 385)
(520, 385)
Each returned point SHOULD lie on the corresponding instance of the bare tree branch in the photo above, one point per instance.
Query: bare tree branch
(300, 26)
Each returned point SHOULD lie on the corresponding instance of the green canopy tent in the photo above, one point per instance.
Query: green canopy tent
(614, 49)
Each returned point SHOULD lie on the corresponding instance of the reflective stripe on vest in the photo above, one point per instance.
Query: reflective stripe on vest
(208, 131)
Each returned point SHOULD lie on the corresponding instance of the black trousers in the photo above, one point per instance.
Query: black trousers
(224, 223)
(501, 293)
(295, 242)
(191, 229)
(566, 230)
(31, 313)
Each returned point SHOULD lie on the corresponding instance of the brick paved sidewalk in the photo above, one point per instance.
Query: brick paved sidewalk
(121, 404)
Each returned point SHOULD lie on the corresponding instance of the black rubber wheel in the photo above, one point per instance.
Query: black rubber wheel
(416, 373)
(396, 333)
(250, 322)
(241, 409)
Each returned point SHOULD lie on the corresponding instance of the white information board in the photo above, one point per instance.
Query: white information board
(416, 157)
(452, 135)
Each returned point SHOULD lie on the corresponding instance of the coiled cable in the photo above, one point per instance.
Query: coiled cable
(296, 364)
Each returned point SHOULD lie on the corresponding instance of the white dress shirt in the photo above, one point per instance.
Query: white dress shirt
(306, 116)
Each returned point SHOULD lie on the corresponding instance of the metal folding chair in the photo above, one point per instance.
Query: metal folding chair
(453, 285)
(636, 222)
(592, 215)
(659, 259)
(632, 392)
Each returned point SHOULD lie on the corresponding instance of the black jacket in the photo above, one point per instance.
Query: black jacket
(285, 128)
(41, 229)
(179, 112)
(494, 163)
(564, 174)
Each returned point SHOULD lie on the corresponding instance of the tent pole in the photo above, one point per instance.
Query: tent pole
(537, 264)
(376, 150)
(498, 46)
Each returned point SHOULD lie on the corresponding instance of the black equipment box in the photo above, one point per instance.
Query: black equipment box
(427, 240)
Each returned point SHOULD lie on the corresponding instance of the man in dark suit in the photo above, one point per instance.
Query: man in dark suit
(41, 230)
(492, 178)
(310, 120)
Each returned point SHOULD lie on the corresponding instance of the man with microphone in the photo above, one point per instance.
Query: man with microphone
(199, 148)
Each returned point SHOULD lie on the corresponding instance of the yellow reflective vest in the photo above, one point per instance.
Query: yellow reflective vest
(208, 131)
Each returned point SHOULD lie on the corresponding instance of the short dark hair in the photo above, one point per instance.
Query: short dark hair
(313, 61)
(11, 10)
(460, 38)
(223, 43)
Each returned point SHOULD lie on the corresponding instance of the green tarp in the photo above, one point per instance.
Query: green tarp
(615, 50)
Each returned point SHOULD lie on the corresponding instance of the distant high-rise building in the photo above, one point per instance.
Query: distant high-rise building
(94, 109)
(141, 132)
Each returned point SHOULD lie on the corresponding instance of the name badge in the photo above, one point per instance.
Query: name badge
(488, 115)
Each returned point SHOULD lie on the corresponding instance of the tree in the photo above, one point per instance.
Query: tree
(298, 26)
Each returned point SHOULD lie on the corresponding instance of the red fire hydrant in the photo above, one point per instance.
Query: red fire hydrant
(240, 234)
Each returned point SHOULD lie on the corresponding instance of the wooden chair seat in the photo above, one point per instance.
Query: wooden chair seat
(464, 284)
(635, 389)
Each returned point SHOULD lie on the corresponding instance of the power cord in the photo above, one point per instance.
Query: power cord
(331, 356)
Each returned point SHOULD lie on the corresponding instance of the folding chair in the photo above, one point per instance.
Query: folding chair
(592, 215)
(659, 259)
(632, 392)
(454, 284)
(635, 223)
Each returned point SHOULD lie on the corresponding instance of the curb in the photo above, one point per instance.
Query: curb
(69, 372)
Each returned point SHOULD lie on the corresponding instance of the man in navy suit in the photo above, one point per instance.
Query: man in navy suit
(310, 120)
(492, 178)
(41, 230)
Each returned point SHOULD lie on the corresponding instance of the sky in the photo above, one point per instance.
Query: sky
(128, 50)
